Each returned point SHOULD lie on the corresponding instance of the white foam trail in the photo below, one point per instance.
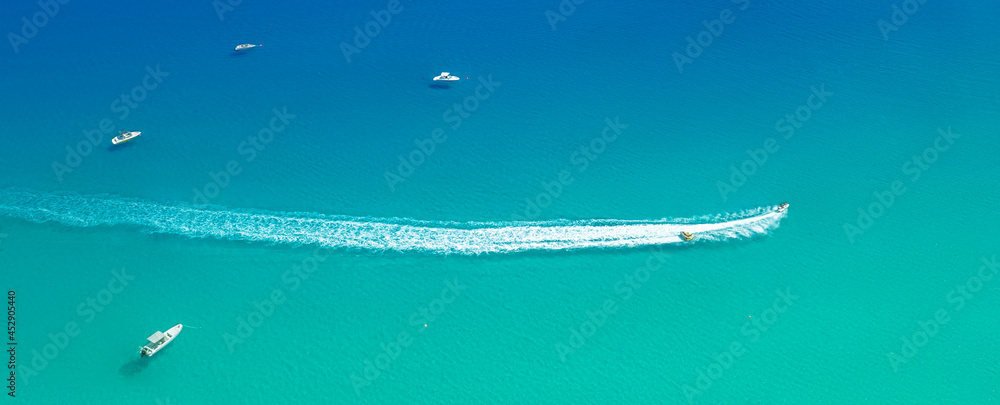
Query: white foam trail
(378, 234)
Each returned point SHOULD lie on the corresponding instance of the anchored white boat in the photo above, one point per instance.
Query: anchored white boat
(445, 77)
(125, 136)
(159, 340)
(241, 47)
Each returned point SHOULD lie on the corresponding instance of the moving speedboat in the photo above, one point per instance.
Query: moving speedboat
(687, 236)
(125, 136)
(241, 47)
(782, 207)
(445, 77)
(159, 340)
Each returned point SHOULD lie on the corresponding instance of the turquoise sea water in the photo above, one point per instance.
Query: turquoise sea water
(588, 298)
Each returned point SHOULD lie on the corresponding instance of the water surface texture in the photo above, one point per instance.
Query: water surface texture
(332, 226)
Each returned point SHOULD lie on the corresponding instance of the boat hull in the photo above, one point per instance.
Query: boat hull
(118, 139)
(170, 334)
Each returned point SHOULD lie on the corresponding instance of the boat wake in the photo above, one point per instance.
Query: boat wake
(378, 234)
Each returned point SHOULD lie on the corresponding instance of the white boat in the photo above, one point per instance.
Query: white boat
(125, 136)
(159, 340)
(782, 207)
(445, 77)
(241, 47)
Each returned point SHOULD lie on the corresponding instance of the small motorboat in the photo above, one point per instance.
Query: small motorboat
(159, 340)
(446, 77)
(687, 236)
(783, 207)
(241, 47)
(125, 136)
